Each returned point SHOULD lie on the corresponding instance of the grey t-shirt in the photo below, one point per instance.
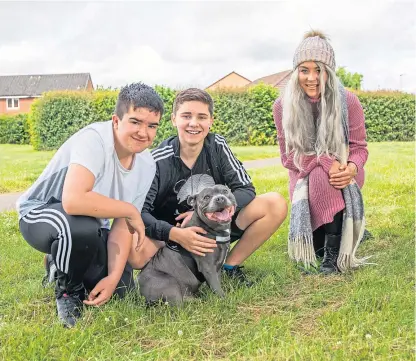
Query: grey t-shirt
(93, 148)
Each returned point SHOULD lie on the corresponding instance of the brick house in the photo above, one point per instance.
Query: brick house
(277, 80)
(232, 80)
(17, 92)
(235, 80)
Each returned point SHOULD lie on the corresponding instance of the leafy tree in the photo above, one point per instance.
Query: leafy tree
(349, 80)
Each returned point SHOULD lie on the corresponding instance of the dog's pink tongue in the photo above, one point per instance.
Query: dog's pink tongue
(224, 215)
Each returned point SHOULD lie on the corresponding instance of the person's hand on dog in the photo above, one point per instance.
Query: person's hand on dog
(102, 292)
(135, 224)
(190, 239)
(343, 178)
(186, 218)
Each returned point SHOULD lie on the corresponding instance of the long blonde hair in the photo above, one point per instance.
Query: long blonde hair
(301, 135)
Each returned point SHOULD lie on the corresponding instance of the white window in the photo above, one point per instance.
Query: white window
(12, 103)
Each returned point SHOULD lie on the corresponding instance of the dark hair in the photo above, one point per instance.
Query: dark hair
(193, 94)
(138, 95)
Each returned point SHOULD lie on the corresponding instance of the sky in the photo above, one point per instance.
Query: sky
(195, 43)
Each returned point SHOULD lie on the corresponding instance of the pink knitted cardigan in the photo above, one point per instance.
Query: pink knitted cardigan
(324, 200)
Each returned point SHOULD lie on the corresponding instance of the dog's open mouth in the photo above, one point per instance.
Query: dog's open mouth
(222, 216)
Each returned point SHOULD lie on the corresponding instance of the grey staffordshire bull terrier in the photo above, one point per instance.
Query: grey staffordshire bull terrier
(172, 275)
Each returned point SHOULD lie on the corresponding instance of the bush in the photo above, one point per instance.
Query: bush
(243, 117)
(103, 103)
(389, 116)
(262, 130)
(230, 116)
(57, 115)
(14, 129)
(166, 128)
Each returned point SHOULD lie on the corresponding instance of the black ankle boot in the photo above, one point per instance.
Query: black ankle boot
(329, 263)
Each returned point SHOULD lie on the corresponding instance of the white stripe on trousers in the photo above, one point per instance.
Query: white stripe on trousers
(64, 234)
(53, 224)
(62, 239)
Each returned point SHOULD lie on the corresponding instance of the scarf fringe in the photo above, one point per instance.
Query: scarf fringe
(346, 262)
(301, 249)
(349, 261)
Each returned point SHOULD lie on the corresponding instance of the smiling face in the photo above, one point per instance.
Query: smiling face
(309, 78)
(193, 120)
(136, 130)
(215, 206)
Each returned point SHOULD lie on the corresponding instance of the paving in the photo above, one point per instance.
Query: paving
(261, 163)
(8, 200)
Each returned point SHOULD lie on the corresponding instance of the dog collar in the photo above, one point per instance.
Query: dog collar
(221, 239)
(218, 239)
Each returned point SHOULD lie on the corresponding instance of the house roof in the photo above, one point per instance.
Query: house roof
(277, 80)
(35, 85)
(233, 72)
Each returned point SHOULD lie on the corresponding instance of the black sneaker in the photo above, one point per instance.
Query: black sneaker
(51, 271)
(237, 274)
(69, 306)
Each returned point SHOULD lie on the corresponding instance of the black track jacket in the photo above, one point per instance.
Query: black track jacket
(223, 166)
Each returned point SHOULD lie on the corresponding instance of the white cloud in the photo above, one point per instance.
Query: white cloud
(195, 43)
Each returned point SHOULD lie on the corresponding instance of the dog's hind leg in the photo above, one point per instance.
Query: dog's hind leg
(172, 292)
(160, 286)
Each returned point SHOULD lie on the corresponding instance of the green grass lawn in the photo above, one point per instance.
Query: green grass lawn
(20, 165)
(367, 314)
(253, 153)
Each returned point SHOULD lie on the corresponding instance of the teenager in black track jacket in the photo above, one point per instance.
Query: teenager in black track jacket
(216, 161)
(189, 162)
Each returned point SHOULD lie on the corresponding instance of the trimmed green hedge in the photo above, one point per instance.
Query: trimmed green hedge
(389, 116)
(14, 129)
(166, 128)
(57, 115)
(244, 116)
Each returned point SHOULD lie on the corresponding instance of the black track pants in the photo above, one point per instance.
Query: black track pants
(77, 244)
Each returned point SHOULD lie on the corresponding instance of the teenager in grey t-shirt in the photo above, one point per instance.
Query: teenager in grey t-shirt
(93, 148)
(102, 172)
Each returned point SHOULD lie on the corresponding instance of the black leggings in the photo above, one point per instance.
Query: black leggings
(333, 228)
(78, 246)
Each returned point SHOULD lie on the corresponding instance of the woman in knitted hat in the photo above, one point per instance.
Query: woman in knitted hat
(321, 135)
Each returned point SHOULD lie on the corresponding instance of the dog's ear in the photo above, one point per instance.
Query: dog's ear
(191, 200)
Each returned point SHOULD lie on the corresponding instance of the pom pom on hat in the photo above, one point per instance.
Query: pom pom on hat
(314, 47)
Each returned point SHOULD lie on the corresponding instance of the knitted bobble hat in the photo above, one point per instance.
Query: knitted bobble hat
(314, 47)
